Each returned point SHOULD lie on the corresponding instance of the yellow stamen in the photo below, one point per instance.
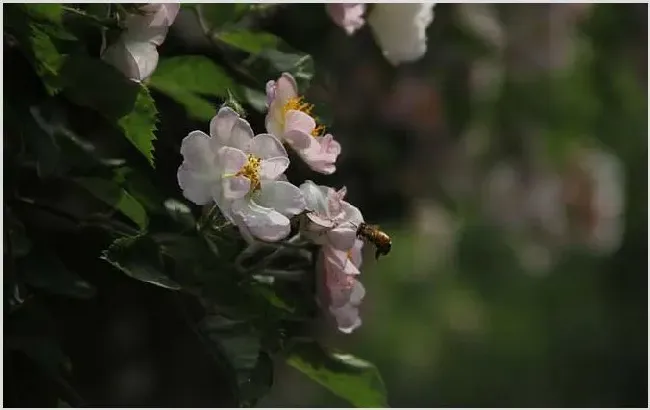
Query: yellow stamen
(251, 170)
(299, 104)
(318, 131)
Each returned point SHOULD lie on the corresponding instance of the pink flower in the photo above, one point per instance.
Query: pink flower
(330, 220)
(289, 119)
(339, 289)
(349, 16)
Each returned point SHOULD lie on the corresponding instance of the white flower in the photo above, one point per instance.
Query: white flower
(241, 173)
(135, 53)
(329, 220)
(400, 29)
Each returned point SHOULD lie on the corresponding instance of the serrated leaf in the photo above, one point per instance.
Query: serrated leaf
(186, 79)
(44, 270)
(115, 196)
(139, 125)
(347, 376)
(252, 42)
(42, 37)
(139, 257)
(95, 84)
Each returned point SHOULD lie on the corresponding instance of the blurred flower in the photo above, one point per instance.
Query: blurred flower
(594, 192)
(348, 16)
(240, 173)
(289, 118)
(135, 53)
(400, 29)
(329, 220)
(342, 293)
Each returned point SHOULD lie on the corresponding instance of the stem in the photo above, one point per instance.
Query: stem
(96, 20)
(283, 274)
(264, 262)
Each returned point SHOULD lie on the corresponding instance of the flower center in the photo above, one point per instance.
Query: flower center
(299, 104)
(251, 170)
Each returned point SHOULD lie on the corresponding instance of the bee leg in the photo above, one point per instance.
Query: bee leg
(377, 254)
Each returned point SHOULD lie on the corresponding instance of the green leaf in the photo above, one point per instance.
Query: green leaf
(215, 16)
(255, 99)
(267, 293)
(139, 257)
(240, 345)
(93, 83)
(50, 12)
(41, 35)
(114, 195)
(301, 66)
(140, 187)
(186, 79)
(44, 270)
(252, 42)
(139, 125)
(349, 377)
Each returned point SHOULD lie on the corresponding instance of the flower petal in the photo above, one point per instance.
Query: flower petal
(298, 120)
(348, 16)
(285, 88)
(231, 160)
(352, 214)
(222, 123)
(267, 146)
(194, 187)
(347, 318)
(298, 140)
(272, 168)
(282, 196)
(273, 120)
(342, 237)
(321, 154)
(197, 150)
(263, 223)
(270, 92)
(315, 198)
(241, 135)
(145, 56)
(236, 187)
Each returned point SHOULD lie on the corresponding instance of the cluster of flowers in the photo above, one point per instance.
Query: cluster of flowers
(399, 28)
(243, 174)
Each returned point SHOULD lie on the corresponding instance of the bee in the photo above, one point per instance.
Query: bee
(380, 239)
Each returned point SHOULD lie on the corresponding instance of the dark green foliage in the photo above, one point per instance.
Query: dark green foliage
(90, 222)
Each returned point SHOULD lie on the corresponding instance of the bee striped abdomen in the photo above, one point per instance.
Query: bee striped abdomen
(373, 234)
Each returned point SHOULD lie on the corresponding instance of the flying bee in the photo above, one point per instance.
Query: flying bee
(373, 234)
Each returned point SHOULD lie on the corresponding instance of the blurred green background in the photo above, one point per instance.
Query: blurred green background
(484, 301)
